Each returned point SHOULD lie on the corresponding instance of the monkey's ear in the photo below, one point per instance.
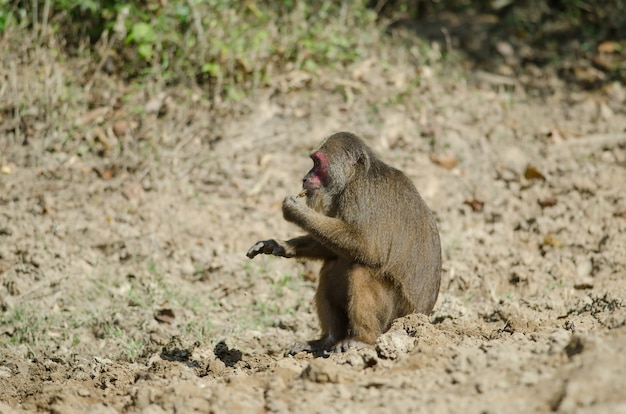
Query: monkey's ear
(360, 157)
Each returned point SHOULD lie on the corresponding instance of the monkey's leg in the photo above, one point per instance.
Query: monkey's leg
(371, 306)
(331, 300)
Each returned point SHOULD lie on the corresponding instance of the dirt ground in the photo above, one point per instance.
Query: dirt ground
(124, 226)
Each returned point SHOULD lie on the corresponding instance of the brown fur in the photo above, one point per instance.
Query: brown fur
(377, 238)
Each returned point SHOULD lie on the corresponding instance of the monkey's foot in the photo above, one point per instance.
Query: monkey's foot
(299, 347)
(318, 348)
(325, 346)
(346, 344)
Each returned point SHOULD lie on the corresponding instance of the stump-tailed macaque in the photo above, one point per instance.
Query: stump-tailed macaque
(377, 238)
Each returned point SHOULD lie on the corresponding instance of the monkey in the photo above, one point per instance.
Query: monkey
(376, 237)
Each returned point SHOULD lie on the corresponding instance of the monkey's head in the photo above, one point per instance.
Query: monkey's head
(338, 160)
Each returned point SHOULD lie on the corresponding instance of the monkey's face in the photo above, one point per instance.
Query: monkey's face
(318, 177)
(318, 182)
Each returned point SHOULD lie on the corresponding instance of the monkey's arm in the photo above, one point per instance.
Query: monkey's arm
(332, 233)
(309, 247)
(303, 246)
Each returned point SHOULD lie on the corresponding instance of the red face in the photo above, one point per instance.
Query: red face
(318, 176)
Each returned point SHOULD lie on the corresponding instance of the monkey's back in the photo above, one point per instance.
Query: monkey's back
(402, 233)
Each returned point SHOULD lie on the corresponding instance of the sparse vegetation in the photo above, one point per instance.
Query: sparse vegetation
(226, 47)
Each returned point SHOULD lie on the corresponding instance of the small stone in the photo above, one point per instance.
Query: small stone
(394, 343)
(83, 392)
(217, 366)
(120, 128)
(583, 268)
(321, 371)
(5, 372)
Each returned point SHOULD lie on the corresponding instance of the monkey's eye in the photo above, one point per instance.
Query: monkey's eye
(316, 162)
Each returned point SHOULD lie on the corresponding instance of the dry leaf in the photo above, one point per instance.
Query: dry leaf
(46, 207)
(165, 315)
(107, 173)
(620, 214)
(476, 205)
(585, 283)
(93, 115)
(608, 47)
(532, 173)
(132, 191)
(446, 161)
(547, 202)
(154, 105)
(602, 63)
(556, 136)
(551, 240)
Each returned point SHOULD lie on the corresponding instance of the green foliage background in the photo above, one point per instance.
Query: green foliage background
(221, 42)
(232, 46)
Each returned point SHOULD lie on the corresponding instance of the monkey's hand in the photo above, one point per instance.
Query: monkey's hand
(293, 210)
(272, 247)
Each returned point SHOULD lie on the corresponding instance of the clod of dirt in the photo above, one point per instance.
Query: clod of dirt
(393, 344)
(576, 345)
(401, 337)
(216, 367)
(165, 315)
(358, 357)
(176, 350)
(288, 369)
(185, 397)
(229, 356)
(144, 397)
(512, 162)
(446, 161)
(448, 307)
(121, 128)
(322, 371)
(597, 383)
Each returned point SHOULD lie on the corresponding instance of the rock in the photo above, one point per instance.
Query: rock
(394, 343)
(322, 371)
(120, 128)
